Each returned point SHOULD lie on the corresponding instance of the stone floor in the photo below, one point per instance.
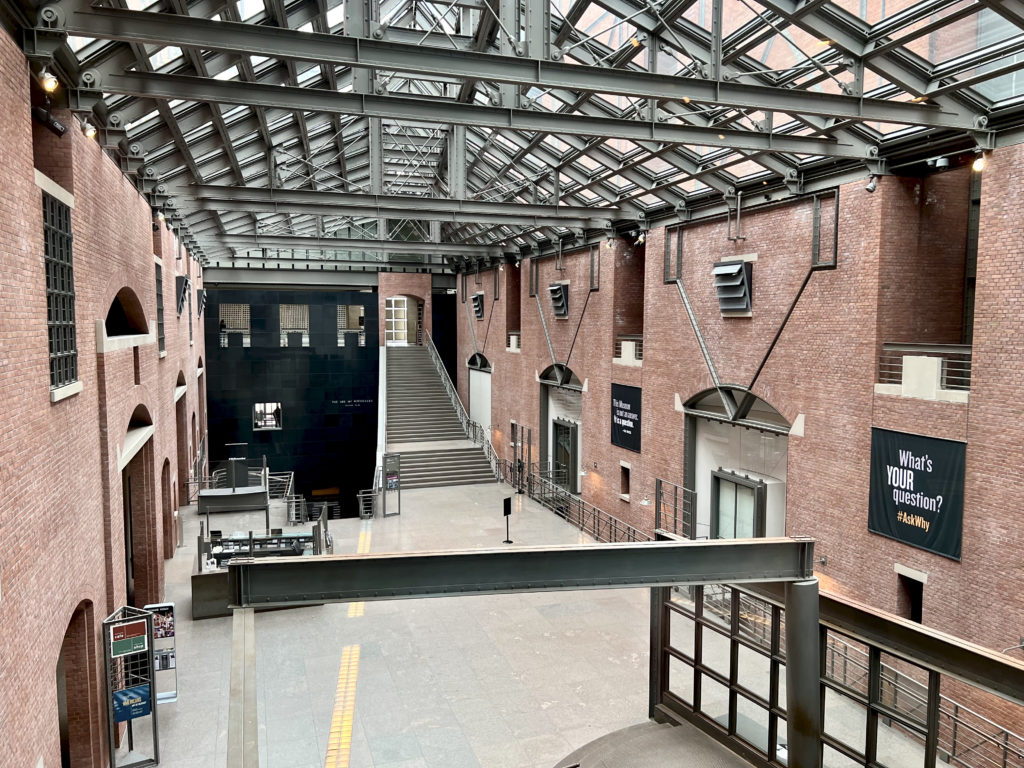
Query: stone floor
(505, 681)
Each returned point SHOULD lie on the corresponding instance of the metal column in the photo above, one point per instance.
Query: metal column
(803, 668)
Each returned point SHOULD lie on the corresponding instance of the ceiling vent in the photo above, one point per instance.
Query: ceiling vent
(734, 286)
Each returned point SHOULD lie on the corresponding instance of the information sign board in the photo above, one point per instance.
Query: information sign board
(130, 703)
(128, 638)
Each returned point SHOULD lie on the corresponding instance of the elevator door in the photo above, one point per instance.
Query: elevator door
(566, 465)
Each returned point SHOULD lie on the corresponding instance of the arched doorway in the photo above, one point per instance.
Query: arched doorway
(79, 724)
(170, 530)
(736, 466)
(181, 433)
(480, 390)
(561, 418)
(138, 497)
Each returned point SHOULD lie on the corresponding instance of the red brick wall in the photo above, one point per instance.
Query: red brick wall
(909, 234)
(923, 248)
(61, 510)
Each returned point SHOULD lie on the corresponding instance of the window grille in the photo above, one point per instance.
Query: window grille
(294, 320)
(60, 292)
(351, 319)
(234, 319)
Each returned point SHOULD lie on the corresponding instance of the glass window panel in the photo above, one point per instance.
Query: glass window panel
(680, 679)
(833, 759)
(904, 688)
(756, 620)
(781, 704)
(897, 748)
(752, 723)
(754, 672)
(718, 605)
(715, 651)
(744, 512)
(681, 633)
(845, 720)
(726, 509)
(846, 662)
(714, 700)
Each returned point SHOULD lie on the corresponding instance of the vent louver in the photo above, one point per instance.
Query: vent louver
(478, 304)
(559, 299)
(734, 286)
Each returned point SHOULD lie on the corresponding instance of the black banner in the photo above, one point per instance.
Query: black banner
(626, 417)
(917, 490)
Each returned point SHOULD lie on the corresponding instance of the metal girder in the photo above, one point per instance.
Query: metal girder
(349, 50)
(242, 242)
(169, 87)
(373, 212)
(341, 203)
(343, 578)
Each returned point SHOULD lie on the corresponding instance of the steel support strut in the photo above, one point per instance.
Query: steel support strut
(803, 668)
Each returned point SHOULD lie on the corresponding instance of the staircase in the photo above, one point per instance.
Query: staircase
(418, 406)
(420, 411)
(442, 467)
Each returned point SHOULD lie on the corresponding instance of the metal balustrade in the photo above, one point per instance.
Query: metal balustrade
(477, 433)
(722, 654)
(674, 508)
(542, 485)
(636, 339)
(955, 370)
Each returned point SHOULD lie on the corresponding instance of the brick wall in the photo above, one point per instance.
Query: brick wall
(61, 511)
(901, 256)
(405, 284)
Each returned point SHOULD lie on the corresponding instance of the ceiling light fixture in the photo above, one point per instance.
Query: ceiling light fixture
(872, 184)
(645, 501)
(979, 164)
(88, 129)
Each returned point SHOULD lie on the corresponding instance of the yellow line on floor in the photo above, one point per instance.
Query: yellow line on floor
(339, 742)
(357, 609)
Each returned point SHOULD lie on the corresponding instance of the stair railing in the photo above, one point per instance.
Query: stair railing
(474, 431)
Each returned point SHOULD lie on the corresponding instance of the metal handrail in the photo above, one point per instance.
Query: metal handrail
(674, 508)
(474, 431)
(956, 363)
(954, 728)
(571, 508)
(280, 484)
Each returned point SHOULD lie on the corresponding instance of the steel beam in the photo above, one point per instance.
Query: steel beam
(243, 720)
(344, 578)
(396, 203)
(172, 87)
(348, 50)
(374, 212)
(286, 242)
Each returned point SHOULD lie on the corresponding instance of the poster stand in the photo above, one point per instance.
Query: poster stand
(164, 651)
(128, 666)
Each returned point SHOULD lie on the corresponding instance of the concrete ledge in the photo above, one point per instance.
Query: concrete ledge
(106, 343)
(62, 393)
